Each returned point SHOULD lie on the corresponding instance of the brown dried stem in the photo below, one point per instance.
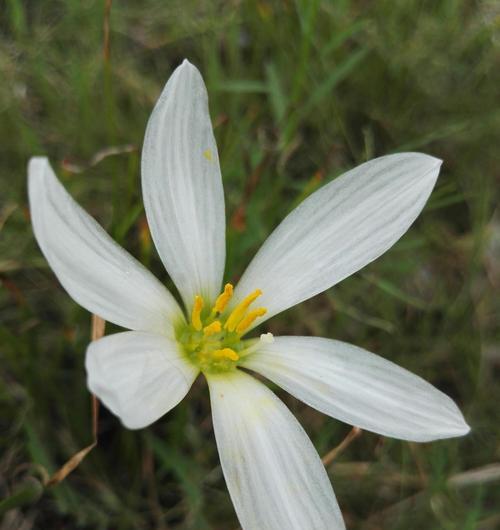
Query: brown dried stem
(97, 331)
(331, 455)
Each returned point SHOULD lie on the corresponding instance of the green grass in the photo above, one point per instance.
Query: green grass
(299, 92)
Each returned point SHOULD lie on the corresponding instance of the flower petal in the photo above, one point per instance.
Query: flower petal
(358, 387)
(97, 273)
(139, 376)
(339, 229)
(274, 475)
(182, 187)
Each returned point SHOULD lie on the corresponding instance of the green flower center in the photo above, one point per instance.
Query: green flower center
(213, 340)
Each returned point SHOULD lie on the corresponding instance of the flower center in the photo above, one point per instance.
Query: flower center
(212, 340)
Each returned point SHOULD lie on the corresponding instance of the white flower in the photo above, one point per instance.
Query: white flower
(274, 475)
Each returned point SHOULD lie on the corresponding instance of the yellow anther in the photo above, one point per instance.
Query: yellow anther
(239, 311)
(249, 319)
(208, 154)
(226, 353)
(212, 328)
(196, 313)
(223, 299)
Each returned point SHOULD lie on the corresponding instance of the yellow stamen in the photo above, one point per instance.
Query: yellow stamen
(212, 328)
(208, 154)
(240, 310)
(223, 299)
(226, 353)
(196, 313)
(249, 319)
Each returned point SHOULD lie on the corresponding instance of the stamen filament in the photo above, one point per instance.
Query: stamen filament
(249, 319)
(212, 339)
(240, 310)
(196, 313)
(223, 299)
(226, 353)
(212, 328)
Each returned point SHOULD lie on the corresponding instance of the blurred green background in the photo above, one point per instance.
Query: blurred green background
(300, 91)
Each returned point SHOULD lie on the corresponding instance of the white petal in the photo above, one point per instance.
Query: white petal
(359, 387)
(182, 186)
(97, 273)
(274, 475)
(339, 229)
(139, 376)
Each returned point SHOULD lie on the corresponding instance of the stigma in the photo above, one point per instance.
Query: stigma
(212, 339)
